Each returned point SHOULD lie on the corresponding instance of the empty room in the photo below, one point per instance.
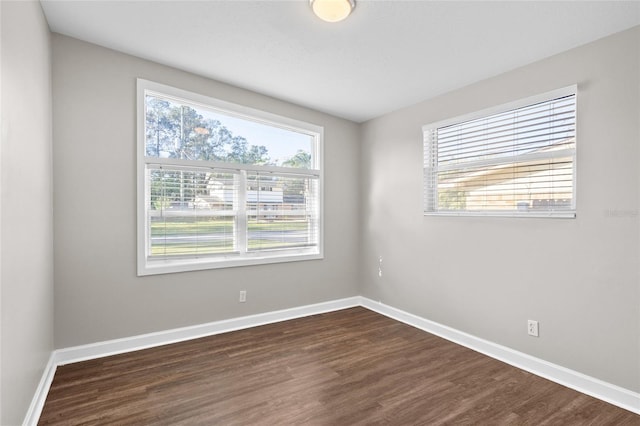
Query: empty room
(319, 212)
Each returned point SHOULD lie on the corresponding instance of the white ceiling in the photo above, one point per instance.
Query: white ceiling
(385, 56)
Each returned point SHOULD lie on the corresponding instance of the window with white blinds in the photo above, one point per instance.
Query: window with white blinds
(222, 185)
(514, 160)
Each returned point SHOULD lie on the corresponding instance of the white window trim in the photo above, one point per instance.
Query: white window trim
(145, 267)
(553, 94)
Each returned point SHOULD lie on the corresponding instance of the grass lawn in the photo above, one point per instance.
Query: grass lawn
(220, 233)
(205, 226)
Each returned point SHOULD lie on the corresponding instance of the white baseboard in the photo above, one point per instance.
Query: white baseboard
(615, 395)
(144, 341)
(37, 403)
(608, 392)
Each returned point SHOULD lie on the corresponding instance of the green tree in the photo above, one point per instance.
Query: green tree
(452, 200)
(161, 129)
(181, 131)
(301, 160)
(241, 152)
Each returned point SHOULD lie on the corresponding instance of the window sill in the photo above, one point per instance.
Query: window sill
(546, 215)
(169, 266)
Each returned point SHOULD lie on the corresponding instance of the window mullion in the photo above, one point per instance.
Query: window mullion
(240, 201)
(147, 219)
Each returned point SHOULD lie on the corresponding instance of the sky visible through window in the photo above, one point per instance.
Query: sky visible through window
(282, 144)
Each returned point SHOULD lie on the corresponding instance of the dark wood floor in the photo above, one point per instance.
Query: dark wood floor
(351, 367)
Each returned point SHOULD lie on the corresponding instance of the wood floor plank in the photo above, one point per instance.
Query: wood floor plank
(350, 367)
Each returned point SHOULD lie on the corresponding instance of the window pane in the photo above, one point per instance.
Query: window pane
(193, 132)
(191, 213)
(520, 160)
(281, 211)
(532, 186)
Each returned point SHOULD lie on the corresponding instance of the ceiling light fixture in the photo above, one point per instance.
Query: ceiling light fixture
(332, 10)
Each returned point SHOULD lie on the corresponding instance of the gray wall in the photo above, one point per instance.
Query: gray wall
(487, 276)
(579, 277)
(98, 295)
(26, 226)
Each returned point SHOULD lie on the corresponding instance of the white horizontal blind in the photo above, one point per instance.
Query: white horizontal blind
(282, 211)
(517, 162)
(192, 212)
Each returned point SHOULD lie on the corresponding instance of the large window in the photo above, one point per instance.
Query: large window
(223, 185)
(514, 160)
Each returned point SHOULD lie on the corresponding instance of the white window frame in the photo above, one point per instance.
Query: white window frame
(430, 193)
(147, 266)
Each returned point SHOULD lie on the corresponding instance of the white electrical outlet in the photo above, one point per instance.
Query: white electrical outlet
(532, 328)
(243, 296)
(380, 266)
